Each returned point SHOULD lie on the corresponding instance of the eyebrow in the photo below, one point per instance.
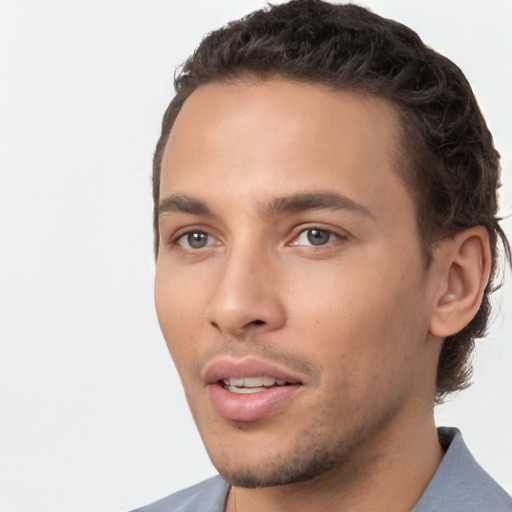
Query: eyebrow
(314, 201)
(182, 203)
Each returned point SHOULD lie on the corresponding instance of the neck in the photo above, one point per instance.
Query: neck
(388, 473)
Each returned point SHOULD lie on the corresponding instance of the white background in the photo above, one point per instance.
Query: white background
(92, 417)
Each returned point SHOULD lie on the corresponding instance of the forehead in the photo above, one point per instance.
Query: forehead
(276, 137)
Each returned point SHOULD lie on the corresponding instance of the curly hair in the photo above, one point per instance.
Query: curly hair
(447, 156)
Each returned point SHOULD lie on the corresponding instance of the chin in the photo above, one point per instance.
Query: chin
(306, 460)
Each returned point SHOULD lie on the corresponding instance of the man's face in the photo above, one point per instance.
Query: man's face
(289, 256)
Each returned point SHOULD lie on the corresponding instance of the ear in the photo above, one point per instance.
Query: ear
(463, 268)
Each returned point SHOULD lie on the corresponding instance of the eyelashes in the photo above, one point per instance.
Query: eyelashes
(194, 240)
(313, 236)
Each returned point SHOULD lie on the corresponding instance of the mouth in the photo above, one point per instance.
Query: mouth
(248, 385)
(249, 390)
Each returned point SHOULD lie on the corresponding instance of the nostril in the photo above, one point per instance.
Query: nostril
(258, 322)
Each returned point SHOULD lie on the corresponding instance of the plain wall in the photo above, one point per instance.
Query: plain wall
(92, 417)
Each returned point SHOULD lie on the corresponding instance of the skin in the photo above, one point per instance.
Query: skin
(352, 317)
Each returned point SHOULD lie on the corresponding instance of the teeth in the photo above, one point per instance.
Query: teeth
(251, 384)
(245, 390)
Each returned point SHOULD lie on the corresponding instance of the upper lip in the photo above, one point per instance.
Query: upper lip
(248, 367)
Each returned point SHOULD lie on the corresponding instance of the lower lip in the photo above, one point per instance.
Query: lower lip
(251, 406)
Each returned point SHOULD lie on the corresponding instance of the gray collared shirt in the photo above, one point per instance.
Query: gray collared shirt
(459, 485)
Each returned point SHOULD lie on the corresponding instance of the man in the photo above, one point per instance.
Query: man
(326, 240)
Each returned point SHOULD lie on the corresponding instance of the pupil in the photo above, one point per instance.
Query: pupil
(197, 240)
(318, 236)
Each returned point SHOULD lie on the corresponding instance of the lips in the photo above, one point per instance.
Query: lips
(248, 390)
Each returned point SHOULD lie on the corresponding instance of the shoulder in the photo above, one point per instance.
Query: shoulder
(460, 484)
(207, 496)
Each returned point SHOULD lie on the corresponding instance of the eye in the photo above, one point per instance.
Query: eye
(195, 240)
(315, 236)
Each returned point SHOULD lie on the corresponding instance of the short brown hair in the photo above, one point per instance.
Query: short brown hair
(448, 161)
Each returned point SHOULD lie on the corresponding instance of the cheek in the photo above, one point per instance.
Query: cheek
(367, 320)
(179, 315)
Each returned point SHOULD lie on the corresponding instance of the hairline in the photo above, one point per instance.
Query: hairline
(401, 157)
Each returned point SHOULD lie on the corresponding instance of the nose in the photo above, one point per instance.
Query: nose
(247, 295)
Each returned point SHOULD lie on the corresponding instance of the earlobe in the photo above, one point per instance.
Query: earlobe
(464, 263)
